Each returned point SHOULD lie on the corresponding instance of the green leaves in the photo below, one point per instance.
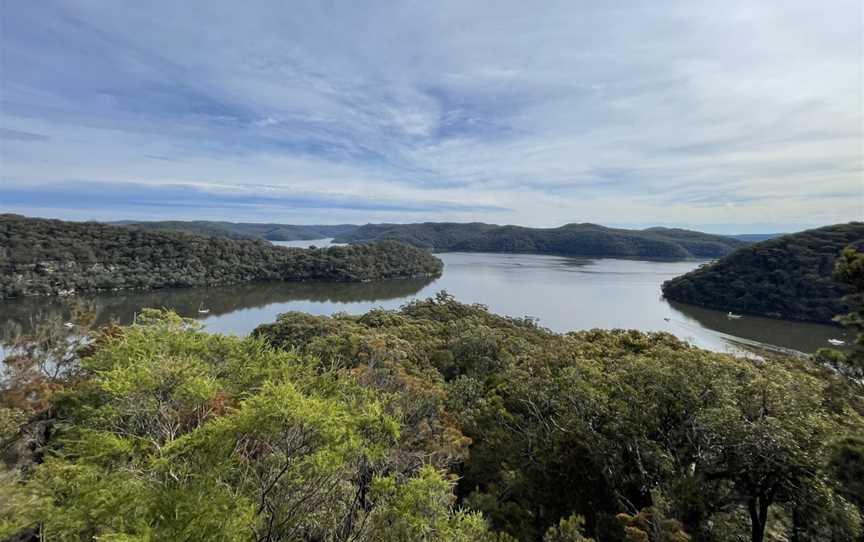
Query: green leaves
(421, 509)
(180, 435)
(355, 428)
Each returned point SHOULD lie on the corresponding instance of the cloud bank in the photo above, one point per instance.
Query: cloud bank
(726, 116)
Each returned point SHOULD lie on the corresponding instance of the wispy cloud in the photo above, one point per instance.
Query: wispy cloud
(140, 197)
(17, 135)
(680, 112)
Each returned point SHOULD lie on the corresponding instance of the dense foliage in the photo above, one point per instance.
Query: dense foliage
(168, 433)
(572, 239)
(241, 230)
(47, 257)
(849, 270)
(789, 277)
(355, 428)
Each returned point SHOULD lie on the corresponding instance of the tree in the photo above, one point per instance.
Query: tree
(568, 530)
(439, 421)
(171, 433)
(768, 437)
(422, 509)
(849, 269)
(39, 362)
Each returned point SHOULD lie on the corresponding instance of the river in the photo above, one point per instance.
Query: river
(562, 293)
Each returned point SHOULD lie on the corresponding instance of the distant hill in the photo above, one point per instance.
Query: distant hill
(756, 237)
(51, 257)
(788, 277)
(572, 240)
(241, 230)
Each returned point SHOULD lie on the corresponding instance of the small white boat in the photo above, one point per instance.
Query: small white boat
(202, 310)
(836, 342)
(733, 316)
(69, 325)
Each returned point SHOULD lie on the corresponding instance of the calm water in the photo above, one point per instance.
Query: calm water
(563, 293)
(308, 243)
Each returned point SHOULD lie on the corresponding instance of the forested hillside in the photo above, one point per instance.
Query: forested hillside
(572, 239)
(439, 422)
(241, 230)
(788, 277)
(48, 257)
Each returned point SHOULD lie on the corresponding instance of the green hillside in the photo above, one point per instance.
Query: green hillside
(788, 277)
(573, 239)
(49, 257)
(241, 230)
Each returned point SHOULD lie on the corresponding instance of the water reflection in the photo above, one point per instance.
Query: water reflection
(806, 336)
(563, 293)
(218, 301)
(319, 243)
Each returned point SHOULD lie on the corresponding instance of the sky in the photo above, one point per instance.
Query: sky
(727, 116)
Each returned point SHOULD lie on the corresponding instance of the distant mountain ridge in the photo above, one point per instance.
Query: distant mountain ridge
(756, 237)
(788, 277)
(479, 236)
(584, 239)
(244, 230)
